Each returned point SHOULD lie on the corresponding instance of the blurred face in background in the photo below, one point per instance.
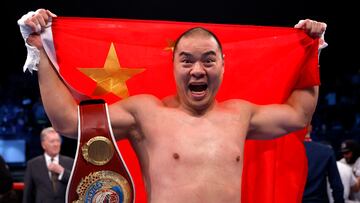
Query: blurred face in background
(347, 155)
(51, 143)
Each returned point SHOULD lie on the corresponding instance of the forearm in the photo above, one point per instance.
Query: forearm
(356, 186)
(304, 102)
(59, 104)
(65, 176)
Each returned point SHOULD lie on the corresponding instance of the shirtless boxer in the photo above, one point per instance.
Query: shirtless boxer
(190, 146)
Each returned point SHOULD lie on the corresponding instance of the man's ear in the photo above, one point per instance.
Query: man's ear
(42, 145)
(223, 62)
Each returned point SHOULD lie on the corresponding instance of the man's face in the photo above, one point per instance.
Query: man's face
(51, 144)
(347, 156)
(198, 71)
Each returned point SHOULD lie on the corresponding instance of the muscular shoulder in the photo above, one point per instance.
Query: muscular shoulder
(140, 100)
(126, 114)
(238, 105)
(144, 98)
(137, 103)
(239, 109)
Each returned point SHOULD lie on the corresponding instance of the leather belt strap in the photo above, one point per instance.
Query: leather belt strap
(99, 172)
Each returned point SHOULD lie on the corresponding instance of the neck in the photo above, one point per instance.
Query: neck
(51, 156)
(196, 110)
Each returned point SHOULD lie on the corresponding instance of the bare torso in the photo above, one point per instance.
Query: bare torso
(186, 158)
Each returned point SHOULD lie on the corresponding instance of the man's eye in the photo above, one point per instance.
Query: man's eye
(186, 61)
(209, 62)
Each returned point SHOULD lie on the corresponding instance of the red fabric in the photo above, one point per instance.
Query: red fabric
(18, 186)
(262, 65)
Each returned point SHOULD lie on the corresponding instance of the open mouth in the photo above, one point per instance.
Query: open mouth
(197, 88)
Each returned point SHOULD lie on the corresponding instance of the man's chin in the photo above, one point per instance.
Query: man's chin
(200, 105)
(198, 96)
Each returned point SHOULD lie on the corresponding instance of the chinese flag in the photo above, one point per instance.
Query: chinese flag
(113, 58)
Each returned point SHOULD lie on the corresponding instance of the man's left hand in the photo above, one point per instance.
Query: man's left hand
(313, 28)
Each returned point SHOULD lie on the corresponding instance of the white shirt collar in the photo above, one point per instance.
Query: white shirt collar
(48, 158)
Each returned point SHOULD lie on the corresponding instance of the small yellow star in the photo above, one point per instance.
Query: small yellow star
(112, 77)
(170, 45)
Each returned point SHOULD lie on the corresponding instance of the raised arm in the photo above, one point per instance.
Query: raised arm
(58, 102)
(271, 121)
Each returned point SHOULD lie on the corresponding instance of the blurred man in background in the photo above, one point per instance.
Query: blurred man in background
(350, 150)
(321, 168)
(6, 181)
(47, 175)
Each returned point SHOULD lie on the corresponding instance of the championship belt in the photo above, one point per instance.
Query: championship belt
(99, 173)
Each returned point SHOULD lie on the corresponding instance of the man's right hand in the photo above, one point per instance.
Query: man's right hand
(56, 168)
(38, 23)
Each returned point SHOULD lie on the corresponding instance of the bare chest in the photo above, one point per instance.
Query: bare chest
(193, 158)
(196, 140)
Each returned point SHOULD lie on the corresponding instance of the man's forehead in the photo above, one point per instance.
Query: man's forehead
(52, 135)
(193, 43)
(198, 38)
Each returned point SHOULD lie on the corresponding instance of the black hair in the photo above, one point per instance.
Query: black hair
(194, 31)
(354, 147)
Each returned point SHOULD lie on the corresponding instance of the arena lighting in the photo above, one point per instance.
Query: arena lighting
(13, 151)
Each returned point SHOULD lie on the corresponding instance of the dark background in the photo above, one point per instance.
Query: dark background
(340, 64)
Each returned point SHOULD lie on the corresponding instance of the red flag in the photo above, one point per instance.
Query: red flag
(262, 65)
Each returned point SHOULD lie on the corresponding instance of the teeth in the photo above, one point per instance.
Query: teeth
(198, 87)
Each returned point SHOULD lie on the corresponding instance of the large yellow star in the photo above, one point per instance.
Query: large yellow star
(112, 77)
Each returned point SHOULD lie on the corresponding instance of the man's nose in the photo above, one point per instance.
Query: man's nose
(197, 70)
(56, 144)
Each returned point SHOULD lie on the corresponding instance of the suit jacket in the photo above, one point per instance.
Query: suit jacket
(322, 166)
(38, 186)
(6, 180)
